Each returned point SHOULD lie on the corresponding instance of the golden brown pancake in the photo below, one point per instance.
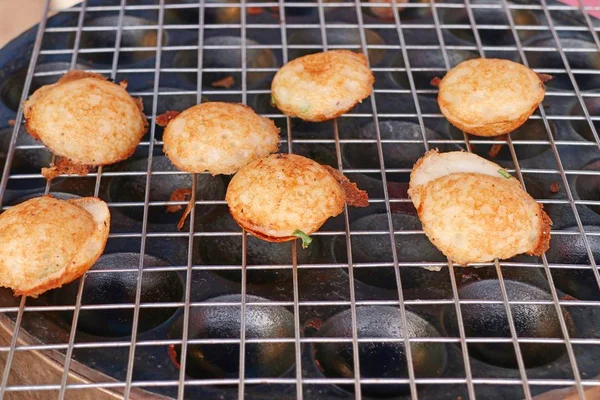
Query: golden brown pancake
(276, 196)
(489, 97)
(219, 138)
(47, 242)
(322, 86)
(86, 118)
(474, 211)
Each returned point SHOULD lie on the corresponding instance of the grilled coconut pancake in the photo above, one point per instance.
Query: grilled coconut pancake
(474, 211)
(322, 86)
(49, 242)
(284, 196)
(86, 119)
(489, 97)
(219, 138)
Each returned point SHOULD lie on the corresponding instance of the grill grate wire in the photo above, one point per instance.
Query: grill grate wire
(469, 380)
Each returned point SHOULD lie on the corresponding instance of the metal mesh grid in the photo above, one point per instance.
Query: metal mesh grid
(296, 302)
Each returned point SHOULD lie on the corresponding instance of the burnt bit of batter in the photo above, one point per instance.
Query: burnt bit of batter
(255, 10)
(188, 210)
(545, 77)
(173, 355)
(227, 82)
(554, 187)
(181, 194)
(355, 197)
(124, 84)
(495, 150)
(65, 166)
(164, 119)
(435, 82)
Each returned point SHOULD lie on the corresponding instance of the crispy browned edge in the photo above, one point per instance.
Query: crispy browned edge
(69, 276)
(321, 117)
(493, 129)
(254, 230)
(355, 197)
(324, 117)
(543, 242)
(64, 166)
(74, 75)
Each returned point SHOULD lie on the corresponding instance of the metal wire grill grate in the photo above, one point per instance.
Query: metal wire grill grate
(408, 102)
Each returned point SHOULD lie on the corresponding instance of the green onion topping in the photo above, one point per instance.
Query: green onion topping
(305, 109)
(306, 240)
(504, 174)
(273, 102)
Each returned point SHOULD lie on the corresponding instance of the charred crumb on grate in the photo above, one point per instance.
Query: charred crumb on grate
(164, 119)
(181, 194)
(226, 82)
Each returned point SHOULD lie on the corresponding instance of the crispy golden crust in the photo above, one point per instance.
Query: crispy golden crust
(489, 97)
(472, 212)
(355, 197)
(274, 196)
(543, 243)
(41, 251)
(64, 166)
(85, 118)
(219, 138)
(322, 86)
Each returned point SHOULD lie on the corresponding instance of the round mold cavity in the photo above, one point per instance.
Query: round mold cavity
(13, 87)
(218, 361)
(291, 11)
(489, 16)
(212, 15)
(227, 59)
(120, 288)
(387, 14)
(427, 59)
(582, 127)
(132, 189)
(129, 38)
(227, 250)
(321, 153)
(489, 320)
(379, 359)
(395, 155)
(532, 129)
(336, 37)
(587, 187)
(25, 161)
(414, 248)
(571, 250)
(577, 60)
(169, 102)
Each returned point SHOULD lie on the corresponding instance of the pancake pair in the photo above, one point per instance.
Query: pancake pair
(474, 211)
